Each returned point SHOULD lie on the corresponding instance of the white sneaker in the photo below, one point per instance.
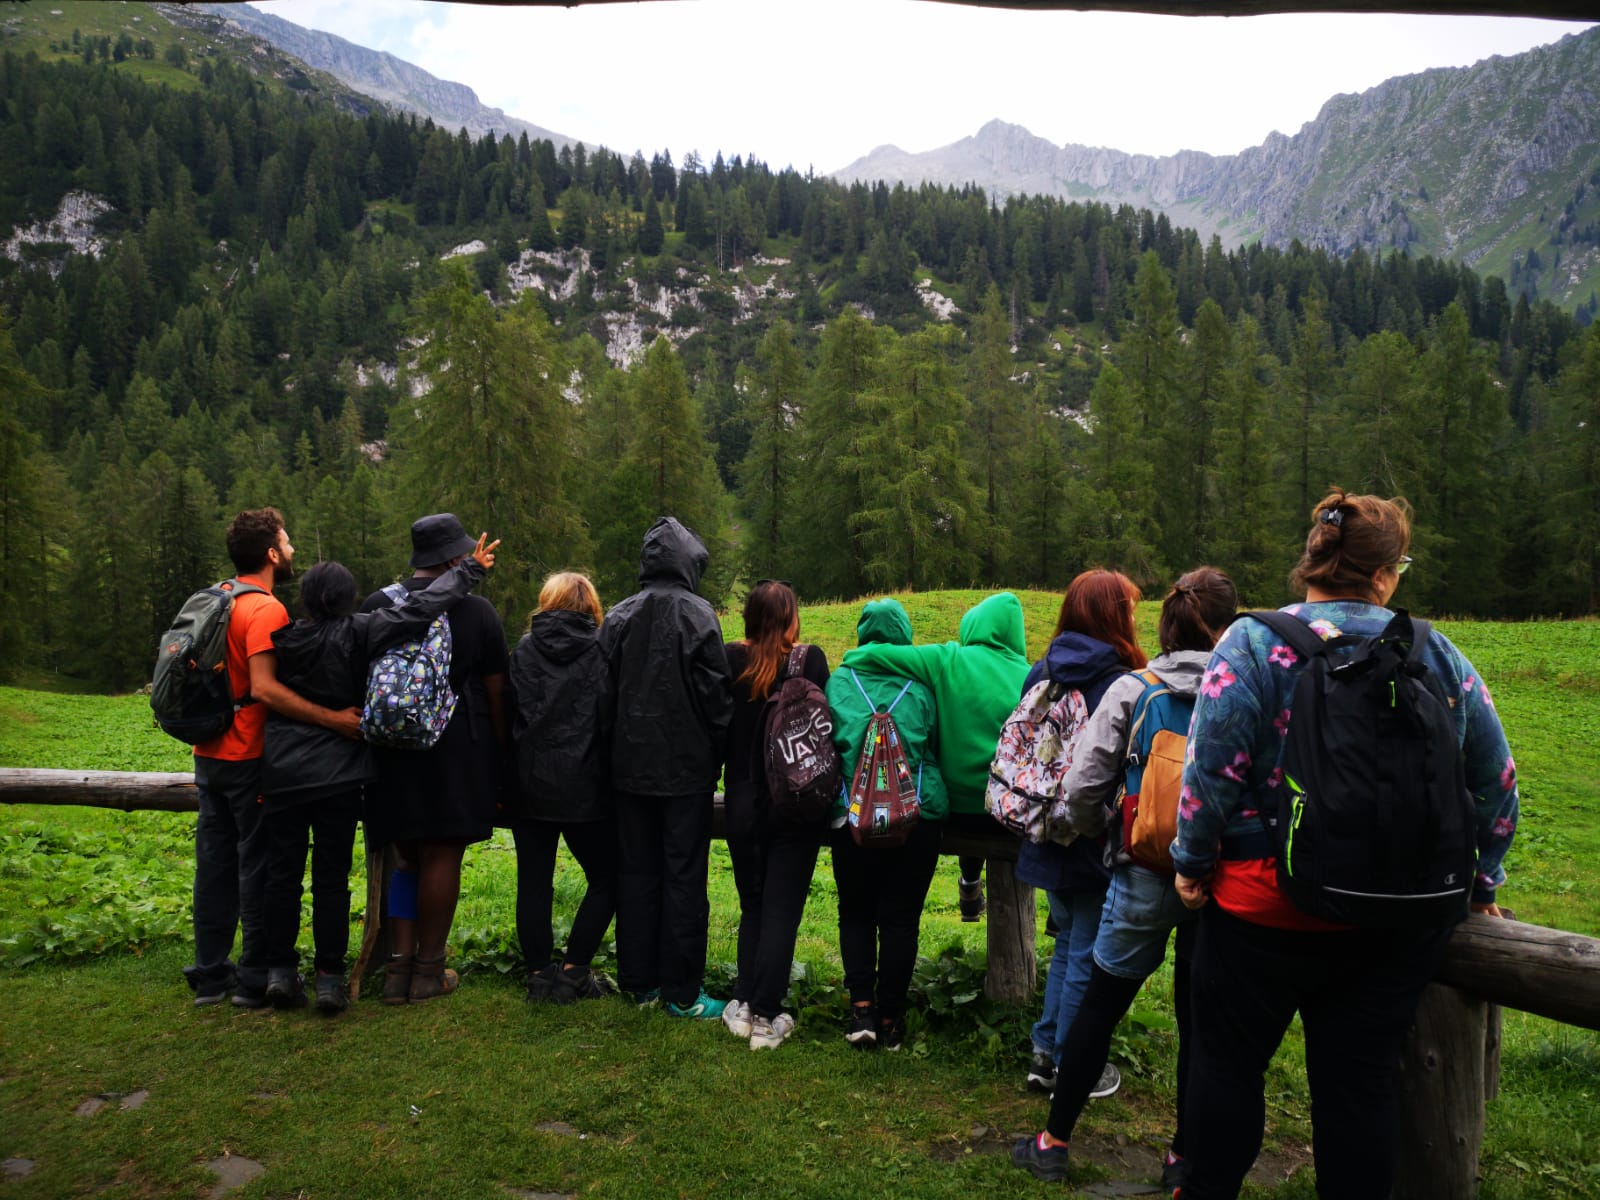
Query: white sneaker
(737, 1018)
(769, 1035)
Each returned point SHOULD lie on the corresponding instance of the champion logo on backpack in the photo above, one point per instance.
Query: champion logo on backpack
(191, 695)
(1375, 827)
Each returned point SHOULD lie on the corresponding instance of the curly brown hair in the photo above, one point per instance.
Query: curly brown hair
(250, 535)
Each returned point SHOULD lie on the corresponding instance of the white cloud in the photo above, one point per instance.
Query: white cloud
(821, 82)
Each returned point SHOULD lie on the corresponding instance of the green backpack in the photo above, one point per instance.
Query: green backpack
(190, 693)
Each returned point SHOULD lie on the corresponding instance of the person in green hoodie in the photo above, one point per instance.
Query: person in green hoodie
(975, 681)
(881, 890)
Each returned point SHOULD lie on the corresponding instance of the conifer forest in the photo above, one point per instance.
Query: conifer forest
(361, 318)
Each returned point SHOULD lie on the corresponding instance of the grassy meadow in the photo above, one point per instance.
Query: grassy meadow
(480, 1095)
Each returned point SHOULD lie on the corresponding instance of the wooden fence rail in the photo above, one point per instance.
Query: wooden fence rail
(1450, 1066)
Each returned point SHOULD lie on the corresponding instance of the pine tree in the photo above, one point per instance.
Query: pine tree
(917, 520)
(768, 480)
(995, 427)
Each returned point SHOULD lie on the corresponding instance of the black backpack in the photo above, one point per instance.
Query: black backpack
(190, 693)
(801, 764)
(1374, 825)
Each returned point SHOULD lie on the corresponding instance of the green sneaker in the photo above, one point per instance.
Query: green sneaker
(704, 1008)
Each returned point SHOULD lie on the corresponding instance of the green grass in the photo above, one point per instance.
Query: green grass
(98, 901)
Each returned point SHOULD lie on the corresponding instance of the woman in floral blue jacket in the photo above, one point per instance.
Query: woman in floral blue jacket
(1258, 958)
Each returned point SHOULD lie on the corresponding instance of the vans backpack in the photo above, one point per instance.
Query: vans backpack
(1031, 759)
(1374, 825)
(1152, 778)
(409, 698)
(800, 760)
(190, 692)
(885, 798)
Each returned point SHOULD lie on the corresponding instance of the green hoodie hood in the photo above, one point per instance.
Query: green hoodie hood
(883, 621)
(976, 683)
(995, 622)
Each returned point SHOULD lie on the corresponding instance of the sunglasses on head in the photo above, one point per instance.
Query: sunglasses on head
(1404, 565)
(764, 582)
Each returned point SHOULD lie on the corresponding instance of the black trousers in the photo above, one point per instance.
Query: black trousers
(230, 875)
(1105, 1002)
(327, 826)
(594, 845)
(772, 870)
(664, 846)
(1356, 992)
(881, 893)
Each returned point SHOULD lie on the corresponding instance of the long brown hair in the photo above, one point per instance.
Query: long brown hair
(771, 623)
(1197, 610)
(1352, 538)
(1099, 604)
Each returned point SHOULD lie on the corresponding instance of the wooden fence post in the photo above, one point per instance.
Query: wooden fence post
(1013, 974)
(1442, 1087)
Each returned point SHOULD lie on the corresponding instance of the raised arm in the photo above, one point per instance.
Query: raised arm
(909, 662)
(386, 627)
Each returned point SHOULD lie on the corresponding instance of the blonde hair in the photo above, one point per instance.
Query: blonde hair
(571, 591)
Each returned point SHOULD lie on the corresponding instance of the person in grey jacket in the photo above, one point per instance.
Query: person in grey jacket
(672, 704)
(1142, 907)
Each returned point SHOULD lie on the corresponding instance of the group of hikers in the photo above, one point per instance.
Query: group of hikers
(611, 730)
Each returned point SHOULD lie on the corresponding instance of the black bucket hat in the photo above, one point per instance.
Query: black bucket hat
(437, 539)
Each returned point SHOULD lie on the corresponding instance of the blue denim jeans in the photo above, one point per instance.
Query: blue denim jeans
(1141, 911)
(1077, 918)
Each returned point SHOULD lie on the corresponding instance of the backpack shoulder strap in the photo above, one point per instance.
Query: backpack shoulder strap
(237, 587)
(796, 661)
(873, 704)
(1291, 629)
(1421, 631)
(1154, 686)
(396, 592)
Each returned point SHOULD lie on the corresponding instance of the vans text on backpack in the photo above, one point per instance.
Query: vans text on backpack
(1152, 778)
(1031, 759)
(409, 699)
(801, 763)
(190, 692)
(885, 798)
(1374, 825)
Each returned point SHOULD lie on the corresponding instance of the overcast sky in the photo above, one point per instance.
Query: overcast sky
(819, 83)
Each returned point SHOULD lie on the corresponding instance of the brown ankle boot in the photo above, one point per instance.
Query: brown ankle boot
(397, 978)
(431, 978)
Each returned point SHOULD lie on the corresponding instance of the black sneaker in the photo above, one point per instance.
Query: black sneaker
(332, 997)
(1174, 1173)
(970, 899)
(1051, 1163)
(1042, 1071)
(286, 988)
(891, 1033)
(862, 1032)
(244, 998)
(576, 983)
(541, 983)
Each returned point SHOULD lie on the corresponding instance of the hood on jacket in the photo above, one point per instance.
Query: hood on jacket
(883, 621)
(560, 634)
(996, 622)
(1078, 660)
(672, 553)
(302, 640)
(1180, 670)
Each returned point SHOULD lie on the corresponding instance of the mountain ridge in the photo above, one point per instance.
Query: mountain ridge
(391, 80)
(1481, 163)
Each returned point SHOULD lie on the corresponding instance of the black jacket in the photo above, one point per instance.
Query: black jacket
(669, 673)
(559, 697)
(326, 662)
